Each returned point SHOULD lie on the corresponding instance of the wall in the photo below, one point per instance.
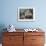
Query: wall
(9, 13)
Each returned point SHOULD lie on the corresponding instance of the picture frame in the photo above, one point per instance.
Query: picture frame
(26, 14)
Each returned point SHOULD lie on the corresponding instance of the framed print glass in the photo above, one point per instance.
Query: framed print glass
(26, 14)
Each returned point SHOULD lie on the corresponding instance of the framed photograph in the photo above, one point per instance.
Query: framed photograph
(26, 14)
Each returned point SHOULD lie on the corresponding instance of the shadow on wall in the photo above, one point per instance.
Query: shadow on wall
(2, 26)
